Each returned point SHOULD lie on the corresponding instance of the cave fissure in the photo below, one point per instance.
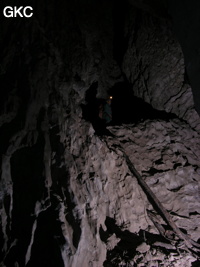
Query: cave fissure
(126, 108)
(61, 183)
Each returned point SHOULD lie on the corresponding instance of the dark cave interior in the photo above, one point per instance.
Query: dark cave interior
(126, 108)
(57, 69)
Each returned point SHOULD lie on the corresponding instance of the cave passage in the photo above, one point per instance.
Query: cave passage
(126, 108)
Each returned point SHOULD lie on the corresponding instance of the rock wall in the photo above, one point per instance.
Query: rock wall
(154, 65)
(67, 197)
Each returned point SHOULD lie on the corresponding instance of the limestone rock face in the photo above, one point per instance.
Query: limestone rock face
(154, 65)
(67, 195)
(169, 162)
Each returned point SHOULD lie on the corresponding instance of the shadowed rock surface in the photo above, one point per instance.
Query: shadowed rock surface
(67, 199)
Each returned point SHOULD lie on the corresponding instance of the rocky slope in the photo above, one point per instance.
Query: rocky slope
(67, 195)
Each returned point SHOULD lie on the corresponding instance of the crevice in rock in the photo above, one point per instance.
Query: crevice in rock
(125, 248)
(48, 239)
(152, 171)
(60, 184)
(176, 214)
(28, 183)
(176, 189)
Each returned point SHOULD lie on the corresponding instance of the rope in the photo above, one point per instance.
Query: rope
(189, 243)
